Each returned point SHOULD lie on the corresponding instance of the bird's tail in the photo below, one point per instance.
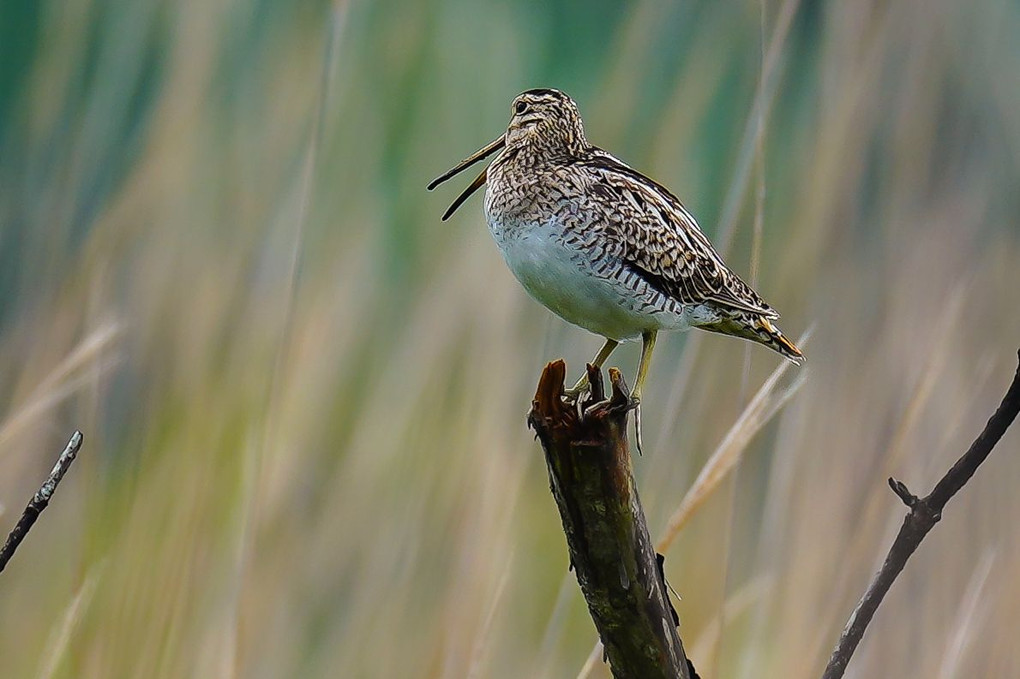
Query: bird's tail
(756, 328)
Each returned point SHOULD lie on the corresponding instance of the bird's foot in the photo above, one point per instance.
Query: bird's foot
(580, 388)
(574, 394)
(588, 407)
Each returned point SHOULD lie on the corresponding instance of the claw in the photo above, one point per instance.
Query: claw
(592, 406)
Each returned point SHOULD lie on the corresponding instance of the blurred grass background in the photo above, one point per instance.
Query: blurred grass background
(303, 396)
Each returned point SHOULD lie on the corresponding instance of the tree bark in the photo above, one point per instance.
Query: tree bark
(611, 552)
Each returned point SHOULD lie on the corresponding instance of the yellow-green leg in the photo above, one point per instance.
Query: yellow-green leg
(600, 358)
(647, 345)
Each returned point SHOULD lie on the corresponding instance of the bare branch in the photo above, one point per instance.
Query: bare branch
(607, 536)
(924, 514)
(40, 500)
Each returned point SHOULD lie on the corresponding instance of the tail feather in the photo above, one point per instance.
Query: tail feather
(756, 328)
(779, 342)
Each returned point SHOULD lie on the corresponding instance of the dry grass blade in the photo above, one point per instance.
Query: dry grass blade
(480, 645)
(964, 627)
(755, 125)
(758, 226)
(762, 407)
(554, 627)
(590, 662)
(291, 283)
(59, 639)
(738, 603)
(58, 385)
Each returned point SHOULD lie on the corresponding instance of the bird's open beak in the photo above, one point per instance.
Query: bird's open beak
(478, 182)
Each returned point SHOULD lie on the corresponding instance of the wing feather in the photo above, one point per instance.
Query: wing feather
(659, 240)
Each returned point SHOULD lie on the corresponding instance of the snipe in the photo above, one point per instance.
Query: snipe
(603, 246)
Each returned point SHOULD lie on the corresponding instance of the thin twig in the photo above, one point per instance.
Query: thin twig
(923, 515)
(40, 500)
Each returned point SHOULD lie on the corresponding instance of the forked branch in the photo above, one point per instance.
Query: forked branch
(610, 550)
(923, 515)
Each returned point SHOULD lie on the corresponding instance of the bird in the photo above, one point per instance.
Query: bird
(602, 245)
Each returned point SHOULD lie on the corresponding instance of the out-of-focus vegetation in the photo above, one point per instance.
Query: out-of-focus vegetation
(303, 396)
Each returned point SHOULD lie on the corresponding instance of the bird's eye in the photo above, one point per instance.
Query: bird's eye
(520, 107)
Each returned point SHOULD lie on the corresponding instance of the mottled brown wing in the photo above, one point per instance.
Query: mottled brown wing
(660, 240)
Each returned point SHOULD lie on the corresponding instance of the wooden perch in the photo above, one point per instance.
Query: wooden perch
(610, 550)
(923, 515)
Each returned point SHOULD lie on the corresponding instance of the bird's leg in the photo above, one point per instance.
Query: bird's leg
(582, 384)
(647, 345)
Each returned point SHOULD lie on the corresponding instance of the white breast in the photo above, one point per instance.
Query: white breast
(565, 280)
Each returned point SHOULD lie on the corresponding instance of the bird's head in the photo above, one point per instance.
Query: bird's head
(547, 120)
(544, 121)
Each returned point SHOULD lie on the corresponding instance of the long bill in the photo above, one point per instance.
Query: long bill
(480, 154)
(478, 182)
